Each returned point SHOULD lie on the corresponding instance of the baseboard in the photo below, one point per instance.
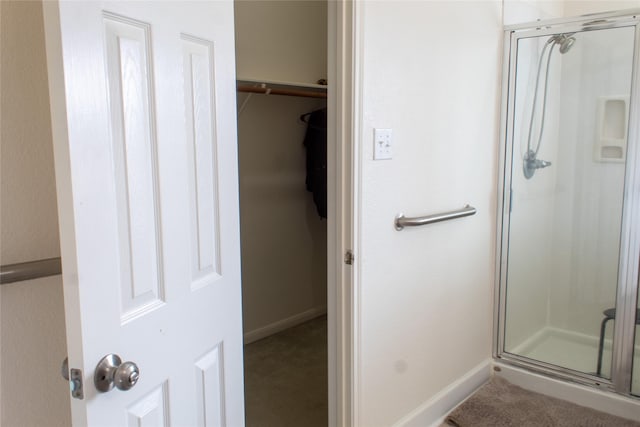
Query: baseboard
(281, 325)
(575, 393)
(433, 411)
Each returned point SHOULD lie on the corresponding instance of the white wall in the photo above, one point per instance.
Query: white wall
(520, 11)
(32, 326)
(579, 7)
(33, 347)
(29, 219)
(284, 241)
(431, 71)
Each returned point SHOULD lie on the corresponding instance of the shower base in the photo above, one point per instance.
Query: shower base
(575, 351)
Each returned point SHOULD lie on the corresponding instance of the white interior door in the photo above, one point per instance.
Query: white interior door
(143, 111)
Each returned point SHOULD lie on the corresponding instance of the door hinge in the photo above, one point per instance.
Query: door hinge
(348, 257)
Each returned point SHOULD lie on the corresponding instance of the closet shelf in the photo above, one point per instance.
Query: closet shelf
(281, 88)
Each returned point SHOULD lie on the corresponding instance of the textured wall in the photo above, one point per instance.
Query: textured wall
(29, 222)
(33, 347)
(32, 315)
(281, 40)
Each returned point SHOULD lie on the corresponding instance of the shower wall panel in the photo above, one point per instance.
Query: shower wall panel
(587, 216)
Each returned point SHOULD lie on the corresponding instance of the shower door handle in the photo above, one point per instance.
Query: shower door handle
(401, 221)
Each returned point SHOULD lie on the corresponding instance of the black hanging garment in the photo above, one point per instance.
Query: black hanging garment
(315, 142)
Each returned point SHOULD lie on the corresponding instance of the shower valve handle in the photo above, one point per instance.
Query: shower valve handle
(539, 164)
(531, 164)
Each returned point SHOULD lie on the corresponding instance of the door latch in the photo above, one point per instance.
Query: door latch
(74, 376)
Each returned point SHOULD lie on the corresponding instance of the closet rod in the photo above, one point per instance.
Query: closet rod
(29, 270)
(285, 92)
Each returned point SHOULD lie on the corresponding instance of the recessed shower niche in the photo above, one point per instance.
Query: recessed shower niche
(569, 244)
(612, 123)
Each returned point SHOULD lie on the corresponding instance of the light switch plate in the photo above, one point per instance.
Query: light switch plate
(382, 144)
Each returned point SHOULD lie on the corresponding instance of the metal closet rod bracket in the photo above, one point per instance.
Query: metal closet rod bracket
(401, 221)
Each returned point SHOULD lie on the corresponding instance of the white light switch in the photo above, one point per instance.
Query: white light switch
(382, 143)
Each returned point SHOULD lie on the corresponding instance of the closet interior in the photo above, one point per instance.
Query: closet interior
(281, 60)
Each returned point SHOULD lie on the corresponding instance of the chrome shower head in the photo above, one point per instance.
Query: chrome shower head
(565, 41)
(566, 44)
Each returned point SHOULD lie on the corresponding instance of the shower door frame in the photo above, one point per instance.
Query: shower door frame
(629, 251)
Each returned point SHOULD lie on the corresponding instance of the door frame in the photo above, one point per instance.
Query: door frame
(343, 176)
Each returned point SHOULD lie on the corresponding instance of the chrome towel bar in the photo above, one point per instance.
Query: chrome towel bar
(29, 270)
(402, 221)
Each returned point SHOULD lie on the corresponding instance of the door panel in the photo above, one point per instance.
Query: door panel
(201, 146)
(135, 167)
(209, 388)
(150, 410)
(143, 105)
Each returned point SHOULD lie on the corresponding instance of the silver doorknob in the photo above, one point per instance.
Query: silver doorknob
(111, 372)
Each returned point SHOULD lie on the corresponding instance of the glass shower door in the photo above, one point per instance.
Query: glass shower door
(564, 197)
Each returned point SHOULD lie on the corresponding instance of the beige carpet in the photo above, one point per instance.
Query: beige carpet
(502, 404)
(286, 378)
